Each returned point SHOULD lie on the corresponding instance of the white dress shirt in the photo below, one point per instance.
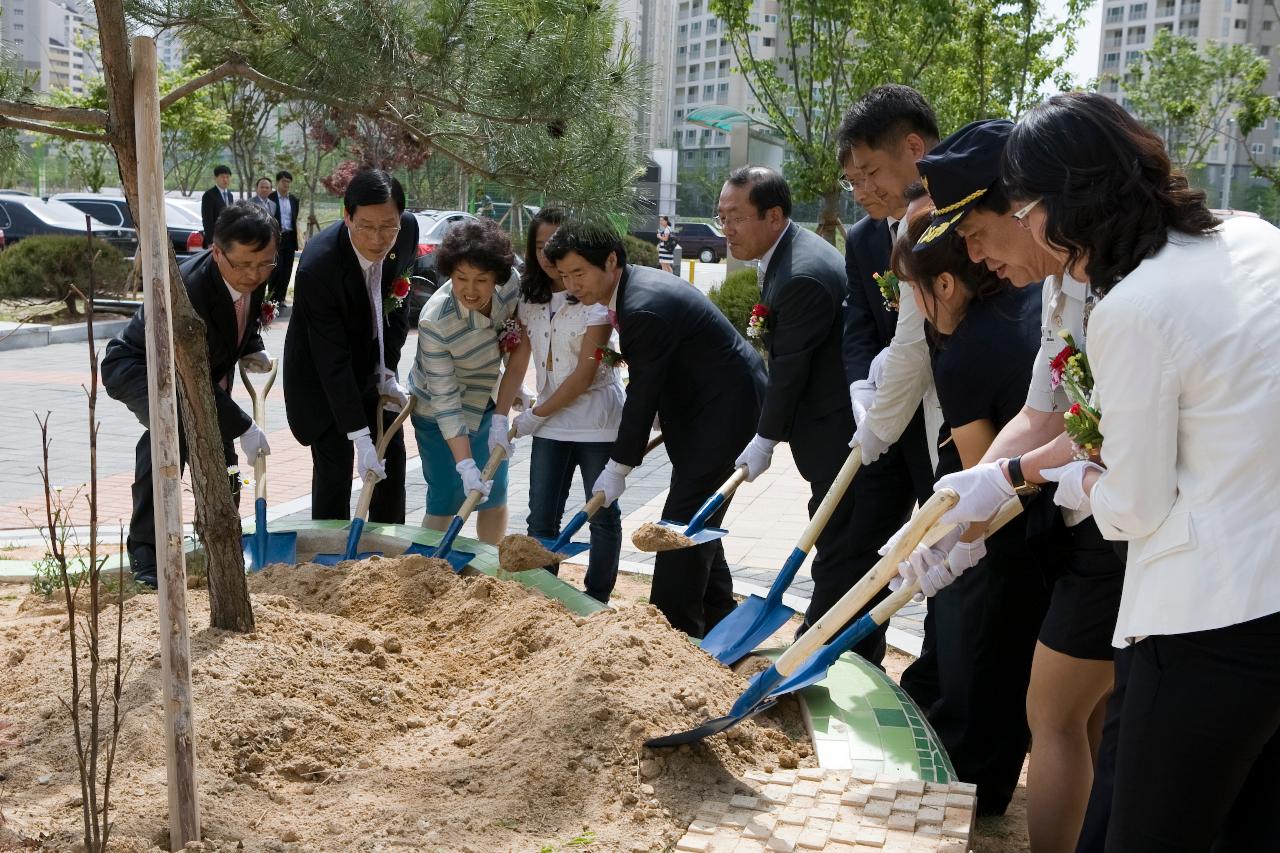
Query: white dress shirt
(286, 214)
(374, 289)
(1065, 307)
(1184, 352)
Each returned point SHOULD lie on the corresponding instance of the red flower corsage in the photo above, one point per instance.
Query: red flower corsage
(268, 316)
(609, 357)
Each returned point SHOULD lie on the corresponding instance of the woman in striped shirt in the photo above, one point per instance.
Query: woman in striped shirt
(466, 331)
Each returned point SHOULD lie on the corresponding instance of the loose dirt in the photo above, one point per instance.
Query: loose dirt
(654, 537)
(518, 553)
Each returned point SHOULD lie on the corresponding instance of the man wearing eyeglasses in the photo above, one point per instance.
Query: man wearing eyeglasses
(223, 283)
(342, 349)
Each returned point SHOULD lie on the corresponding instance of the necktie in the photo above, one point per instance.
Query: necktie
(242, 314)
(226, 197)
(760, 276)
(374, 284)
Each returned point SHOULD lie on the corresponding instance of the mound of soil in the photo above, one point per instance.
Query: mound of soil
(392, 704)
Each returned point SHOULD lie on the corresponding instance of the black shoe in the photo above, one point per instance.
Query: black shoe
(146, 576)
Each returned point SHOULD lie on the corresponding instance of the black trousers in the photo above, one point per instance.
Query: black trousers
(883, 496)
(1093, 834)
(1198, 761)
(692, 586)
(278, 284)
(985, 627)
(141, 543)
(332, 459)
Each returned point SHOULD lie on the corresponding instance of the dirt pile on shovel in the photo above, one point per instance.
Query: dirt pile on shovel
(392, 704)
(518, 553)
(654, 537)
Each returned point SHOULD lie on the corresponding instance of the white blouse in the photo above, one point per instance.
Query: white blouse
(555, 332)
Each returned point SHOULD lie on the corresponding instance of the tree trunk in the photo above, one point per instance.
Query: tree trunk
(217, 522)
(829, 217)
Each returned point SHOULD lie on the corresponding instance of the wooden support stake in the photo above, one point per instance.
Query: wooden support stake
(166, 469)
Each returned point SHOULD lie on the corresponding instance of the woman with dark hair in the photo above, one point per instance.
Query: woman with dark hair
(466, 332)
(1183, 343)
(666, 244)
(579, 404)
(983, 334)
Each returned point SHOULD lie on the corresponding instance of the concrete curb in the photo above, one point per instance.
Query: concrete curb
(14, 336)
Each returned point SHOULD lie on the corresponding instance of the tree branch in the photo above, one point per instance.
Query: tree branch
(54, 130)
(43, 112)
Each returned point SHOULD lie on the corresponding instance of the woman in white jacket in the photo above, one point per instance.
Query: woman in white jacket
(1183, 344)
(579, 404)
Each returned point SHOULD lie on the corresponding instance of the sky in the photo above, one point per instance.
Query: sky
(1084, 64)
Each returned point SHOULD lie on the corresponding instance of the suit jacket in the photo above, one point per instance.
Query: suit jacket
(688, 365)
(124, 366)
(269, 205)
(1183, 351)
(211, 204)
(868, 325)
(294, 204)
(330, 351)
(804, 287)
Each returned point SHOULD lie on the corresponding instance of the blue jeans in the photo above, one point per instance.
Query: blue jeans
(550, 478)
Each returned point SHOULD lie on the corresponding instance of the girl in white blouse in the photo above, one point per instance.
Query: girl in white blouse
(1183, 344)
(579, 404)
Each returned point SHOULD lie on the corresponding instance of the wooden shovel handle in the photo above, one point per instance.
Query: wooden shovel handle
(834, 495)
(259, 396)
(597, 500)
(491, 467)
(384, 438)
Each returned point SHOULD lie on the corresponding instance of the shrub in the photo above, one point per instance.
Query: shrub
(736, 297)
(45, 267)
(639, 252)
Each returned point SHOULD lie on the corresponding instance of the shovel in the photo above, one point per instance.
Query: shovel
(262, 548)
(815, 669)
(366, 492)
(755, 620)
(760, 694)
(444, 551)
(696, 531)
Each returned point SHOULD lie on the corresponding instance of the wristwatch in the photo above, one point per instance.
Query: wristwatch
(1021, 487)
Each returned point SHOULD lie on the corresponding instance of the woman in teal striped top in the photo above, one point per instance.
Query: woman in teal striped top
(466, 331)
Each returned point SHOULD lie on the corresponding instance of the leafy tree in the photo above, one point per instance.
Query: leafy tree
(194, 130)
(1189, 96)
(971, 58)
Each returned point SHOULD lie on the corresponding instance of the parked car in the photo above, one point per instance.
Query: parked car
(184, 230)
(697, 240)
(27, 216)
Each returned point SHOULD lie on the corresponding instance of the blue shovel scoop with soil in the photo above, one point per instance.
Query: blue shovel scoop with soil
(263, 548)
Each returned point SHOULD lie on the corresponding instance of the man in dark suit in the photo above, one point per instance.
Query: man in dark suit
(807, 403)
(215, 199)
(343, 346)
(287, 215)
(880, 139)
(691, 368)
(223, 284)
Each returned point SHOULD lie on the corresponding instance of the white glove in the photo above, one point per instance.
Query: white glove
(949, 539)
(862, 394)
(256, 362)
(757, 456)
(470, 475)
(966, 555)
(875, 374)
(498, 427)
(612, 481)
(367, 461)
(527, 423)
(983, 489)
(873, 447)
(524, 399)
(1070, 479)
(389, 386)
(254, 441)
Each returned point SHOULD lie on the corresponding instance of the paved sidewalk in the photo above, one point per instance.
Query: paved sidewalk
(764, 521)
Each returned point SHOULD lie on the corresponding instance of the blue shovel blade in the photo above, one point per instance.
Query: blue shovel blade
(742, 631)
(457, 559)
(706, 534)
(263, 548)
(568, 549)
(755, 699)
(353, 542)
(816, 667)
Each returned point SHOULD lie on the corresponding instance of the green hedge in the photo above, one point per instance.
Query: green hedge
(736, 297)
(44, 267)
(639, 252)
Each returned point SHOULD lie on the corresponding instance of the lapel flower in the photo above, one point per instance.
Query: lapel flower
(1070, 370)
(509, 334)
(393, 300)
(890, 290)
(758, 322)
(609, 357)
(268, 313)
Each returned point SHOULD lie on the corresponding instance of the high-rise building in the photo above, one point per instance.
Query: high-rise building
(1129, 28)
(706, 74)
(46, 37)
(650, 26)
(170, 50)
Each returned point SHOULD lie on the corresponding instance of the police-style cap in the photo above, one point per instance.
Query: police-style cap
(959, 171)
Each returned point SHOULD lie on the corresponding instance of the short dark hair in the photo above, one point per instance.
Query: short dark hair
(535, 284)
(885, 114)
(372, 186)
(284, 173)
(221, 170)
(260, 180)
(914, 190)
(768, 188)
(246, 223)
(480, 243)
(593, 240)
(1105, 182)
(947, 254)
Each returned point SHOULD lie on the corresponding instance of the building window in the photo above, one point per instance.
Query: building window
(695, 50)
(689, 155)
(1167, 27)
(1137, 35)
(1266, 26)
(724, 68)
(708, 92)
(1256, 149)
(1115, 15)
(1275, 152)
(1191, 8)
(722, 89)
(1189, 28)
(1241, 24)
(1131, 57)
(706, 134)
(696, 9)
(771, 19)
(17, 27)
(695, 29)
(1111, 60)
(1165, 8)
(1137, 11)
(693, 72)
(680, 51)
(684, 30)
(1114, 38)
(712, 26)
(679, 114)
(1265, 50)
(691, 135)
(768, 42)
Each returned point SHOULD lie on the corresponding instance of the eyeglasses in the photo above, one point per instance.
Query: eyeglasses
(247, 266)
(377, 230)
(1021, 215)
(723, 223)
